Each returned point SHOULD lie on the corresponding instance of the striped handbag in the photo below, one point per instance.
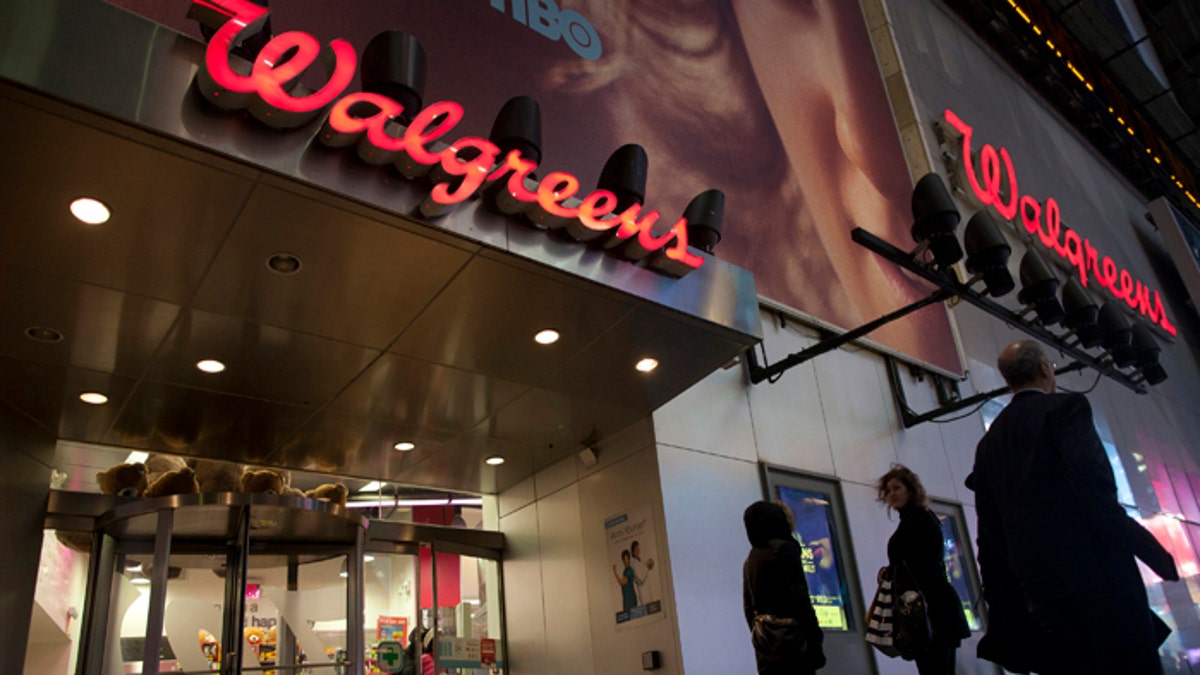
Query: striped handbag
(880, 626)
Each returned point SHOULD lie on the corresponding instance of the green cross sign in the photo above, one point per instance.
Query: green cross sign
(390, 656)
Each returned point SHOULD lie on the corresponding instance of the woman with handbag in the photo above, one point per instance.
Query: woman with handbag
(916, 562)
(786, 636)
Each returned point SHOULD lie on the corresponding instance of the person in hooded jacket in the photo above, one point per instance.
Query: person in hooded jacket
(773, 583)
(916, 551)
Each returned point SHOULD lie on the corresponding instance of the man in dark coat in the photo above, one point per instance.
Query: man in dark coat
(1056, 549)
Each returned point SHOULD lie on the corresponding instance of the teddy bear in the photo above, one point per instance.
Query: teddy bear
(215, 475)
(334, 493)
(157, 464)
(124, 480)
(176, 482)
(262, 481)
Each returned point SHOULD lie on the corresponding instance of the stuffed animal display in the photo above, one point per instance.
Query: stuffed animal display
(174, 482)
(158, 464)
(334, 493)
(125, 480)
(215, 475)
(262, 481)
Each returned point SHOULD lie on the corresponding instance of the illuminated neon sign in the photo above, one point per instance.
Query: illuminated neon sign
(461, 169)
(995, 185)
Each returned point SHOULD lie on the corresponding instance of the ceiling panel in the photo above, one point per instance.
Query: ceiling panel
(49, 394)
(361, 280)
(357, 446)
(261, 361)
(102, 329)
(169, 212)
(486, 320)
(424, 395)
(185, 421)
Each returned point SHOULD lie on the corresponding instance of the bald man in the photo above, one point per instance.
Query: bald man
(1056, 549)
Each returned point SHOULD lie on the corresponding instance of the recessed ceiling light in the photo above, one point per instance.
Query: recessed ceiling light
(93, 397)
(137, 457)
(371, 487)
(43, 334)
(210, 365)
(404, 446)
(494, 460)
(90, 211)
(546, 337)
(283, 263)
(646, 365)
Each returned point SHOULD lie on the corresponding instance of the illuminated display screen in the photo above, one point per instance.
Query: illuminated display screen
(956, 568)
(819, 552)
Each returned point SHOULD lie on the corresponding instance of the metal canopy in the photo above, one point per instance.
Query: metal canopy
(392, 329)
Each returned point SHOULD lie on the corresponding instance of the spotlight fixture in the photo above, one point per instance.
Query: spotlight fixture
(705, 215)
(935, 220)
(624, 175)
(518, 126)
(494, 460)
(283, 263)
(1118, 335)
(90, 211)
(393, 65)
(43, 334)
(404, 446)
(546, 337)
(1146, 350)
(1039, 288)
(1081, 314)
(93, 398)
(646, 365)
(210, 366)
(987, 253)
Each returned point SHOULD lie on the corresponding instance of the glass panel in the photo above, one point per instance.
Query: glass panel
(470, 644)
(295, 612)
(194, 612)
(59, 600)
(959, 568)
(390, 586)
(815, 532)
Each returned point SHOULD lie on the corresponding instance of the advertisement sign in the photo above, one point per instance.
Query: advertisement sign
(632, 550)
(389, 656)
(819, 555)
(800, 138)
(392, 628)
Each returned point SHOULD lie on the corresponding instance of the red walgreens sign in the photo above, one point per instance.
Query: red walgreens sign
(997, 177)
(362, 119)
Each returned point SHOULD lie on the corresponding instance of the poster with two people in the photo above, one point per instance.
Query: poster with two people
(632, 550)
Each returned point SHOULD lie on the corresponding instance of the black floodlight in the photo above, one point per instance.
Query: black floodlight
(624, 175)
(1039, 288)
(1118, 334)
(393, 65)
(935, 220)
(705, 214)
(987, 253)
(518, 126)
(1146, 350)
(1081, 313)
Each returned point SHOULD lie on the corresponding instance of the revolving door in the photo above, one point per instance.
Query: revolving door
(239, 583)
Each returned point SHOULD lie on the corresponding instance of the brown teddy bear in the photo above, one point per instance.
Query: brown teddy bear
(177, 482)
(124, 480)
(157, 464)
(334, 493)
(262, 481)
(215, 475)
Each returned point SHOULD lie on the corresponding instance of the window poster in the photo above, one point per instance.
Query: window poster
(818, 551)
(632, 552)
(956, 569)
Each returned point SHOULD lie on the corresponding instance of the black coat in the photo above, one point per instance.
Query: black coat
(773, 583)
(916, 551)
(1056, 549)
